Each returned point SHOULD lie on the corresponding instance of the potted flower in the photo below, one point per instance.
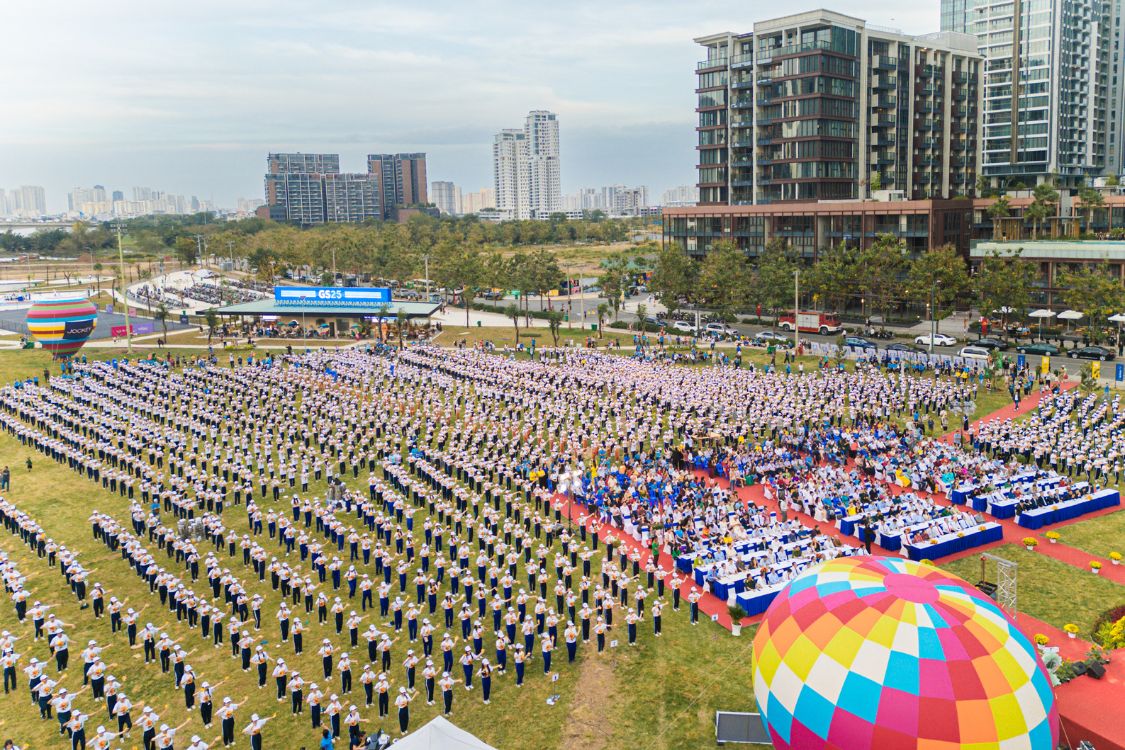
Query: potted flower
(1031, 543)
(1041, 640)
(1095, 567)
(737, 614)
(1071, 630)
(1115, 558)
(1053, 536)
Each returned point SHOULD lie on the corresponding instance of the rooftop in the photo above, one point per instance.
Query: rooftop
(1052, 249)
(270, 307)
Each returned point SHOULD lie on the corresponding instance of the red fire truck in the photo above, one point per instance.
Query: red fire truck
(811, 322)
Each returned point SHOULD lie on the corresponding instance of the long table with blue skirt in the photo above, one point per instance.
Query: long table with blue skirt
(892, 542)
(961, 494)
(1035, 519)
(724, 586)
(958, 541)
(757, 602)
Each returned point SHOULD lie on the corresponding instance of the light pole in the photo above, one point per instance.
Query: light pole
(426, 261)
(933, 313)
(124, 289)
(796, 309)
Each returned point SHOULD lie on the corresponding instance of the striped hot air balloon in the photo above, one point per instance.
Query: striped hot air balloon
(874, 653)
(62, 322)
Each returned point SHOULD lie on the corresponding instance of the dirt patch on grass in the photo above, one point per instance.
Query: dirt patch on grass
(591, 710)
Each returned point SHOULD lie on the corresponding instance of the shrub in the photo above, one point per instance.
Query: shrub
(737, 613)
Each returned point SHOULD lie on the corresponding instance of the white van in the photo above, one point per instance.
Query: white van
(973, 352)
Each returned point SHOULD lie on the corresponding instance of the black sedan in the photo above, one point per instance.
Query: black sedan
(990, 344)
(899, 347)
(856, 342)
(1048, 349)
(1091, 352)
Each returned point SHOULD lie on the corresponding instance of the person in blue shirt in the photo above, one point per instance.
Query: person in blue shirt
(326, 741)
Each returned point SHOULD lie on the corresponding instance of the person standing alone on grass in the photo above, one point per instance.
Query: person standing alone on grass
(5, 478)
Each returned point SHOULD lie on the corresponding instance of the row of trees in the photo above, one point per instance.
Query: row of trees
(880, 278)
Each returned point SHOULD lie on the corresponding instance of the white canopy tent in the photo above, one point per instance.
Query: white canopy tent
(440, 734)
(1069, 315)
(1041, 314)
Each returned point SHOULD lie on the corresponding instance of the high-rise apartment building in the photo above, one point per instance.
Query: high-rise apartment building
(402, 179)
(475, 202)
(446, 196)
(526, 168)
(820, 106)
(681, 195)
(309, 189)
(1053, 94)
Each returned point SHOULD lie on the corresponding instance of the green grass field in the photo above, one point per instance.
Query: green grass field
(661, 694)
(1048, 589)
(1098, 536)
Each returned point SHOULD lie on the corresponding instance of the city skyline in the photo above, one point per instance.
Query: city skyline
(187, 98)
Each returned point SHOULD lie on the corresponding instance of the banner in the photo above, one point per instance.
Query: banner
(1096, 369)
(1045, 364)
(1119, 373)
(135, 329)
(370, 296)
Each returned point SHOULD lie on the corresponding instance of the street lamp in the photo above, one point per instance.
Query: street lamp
(933, 313)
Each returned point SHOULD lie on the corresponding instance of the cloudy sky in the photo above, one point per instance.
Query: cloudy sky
(190, 96)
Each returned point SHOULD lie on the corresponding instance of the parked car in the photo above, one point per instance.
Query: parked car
(990, 343)
(973, 352)
(898, 347)
(1091, 352)
(855, 342)
(720, 329)
(683, 327)
(940, 339)
(1048, 349)
(766, 338)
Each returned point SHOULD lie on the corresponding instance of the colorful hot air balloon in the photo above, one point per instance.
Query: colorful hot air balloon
(62, 322)
(874, 653)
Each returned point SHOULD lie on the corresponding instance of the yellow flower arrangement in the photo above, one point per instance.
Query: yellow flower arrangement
(1070, 628)
(1041, 639)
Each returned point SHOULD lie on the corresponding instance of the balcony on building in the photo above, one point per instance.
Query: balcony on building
(717, 63)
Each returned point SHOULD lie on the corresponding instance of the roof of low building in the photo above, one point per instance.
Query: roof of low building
(390, 310)
(1092, 250)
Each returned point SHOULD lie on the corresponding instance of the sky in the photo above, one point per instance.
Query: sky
(189, 97)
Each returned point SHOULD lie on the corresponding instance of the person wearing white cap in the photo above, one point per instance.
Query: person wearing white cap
(352, 722)
(254, 730)
(226, 717)
(197, 743)
(402, 702)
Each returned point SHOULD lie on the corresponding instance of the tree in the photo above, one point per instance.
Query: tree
(642, 312)
(883, 265)
(983, 188)
(941, 265)
(673, 277)
(460, 265)
(612, 280)
(1093, 290)
(1112, 181)
(724, 279)
(1091, 199)
(400, 319)
(1000, 209)
(161, 314)
(554, 323)
(1036, 213)
(835, 275)
(98, 276)
(1004, 281)
(876, 181)
(212, 319)
(774, 284)
(603, 313)
(513, 313)
(187, 250)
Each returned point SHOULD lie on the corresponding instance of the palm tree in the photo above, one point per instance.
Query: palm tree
(212, 319)
(1000, 209)
(161, 314)
(513, 313)
(603, 313)
(1036, 213)
(1091, 199)
(400, 318)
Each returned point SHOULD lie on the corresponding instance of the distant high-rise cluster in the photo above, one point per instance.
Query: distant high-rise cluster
(613, 200)
(99, 203)
(526, 169)
(310, 189)
(24, 202)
